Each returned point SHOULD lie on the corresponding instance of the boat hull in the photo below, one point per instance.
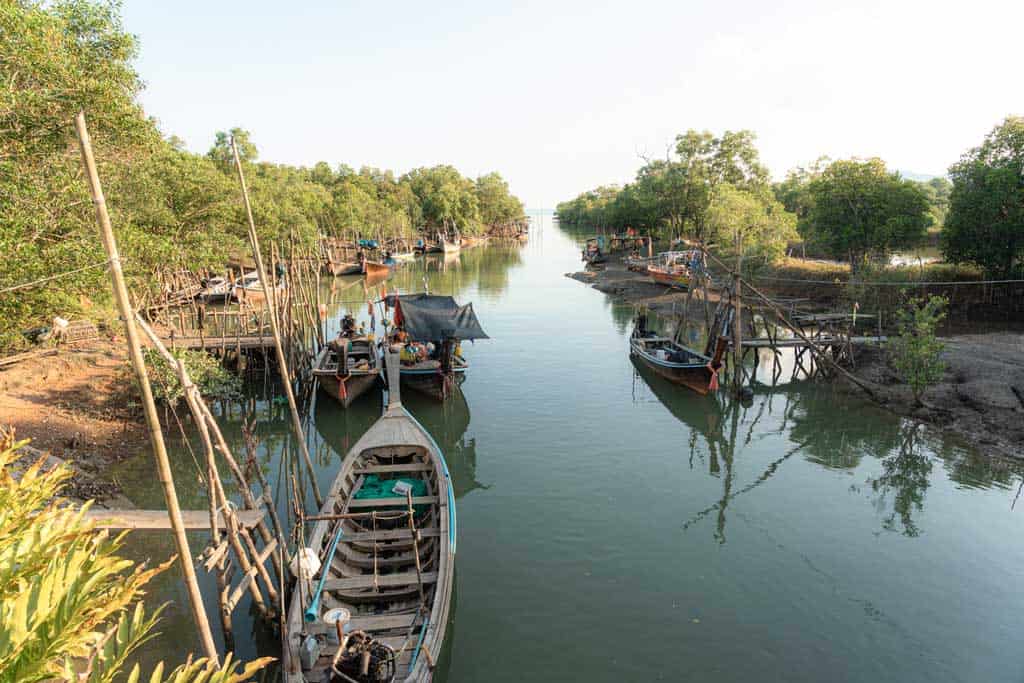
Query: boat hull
(432, 383)
(677, 280)
(345, 390)
(374, 269)
(693, 376)
(347, 268)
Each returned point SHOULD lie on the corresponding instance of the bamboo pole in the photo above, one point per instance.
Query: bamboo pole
(737, 330)
(269, 291)
(163, 465)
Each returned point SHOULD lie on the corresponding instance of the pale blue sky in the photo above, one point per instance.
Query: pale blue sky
(562, 96)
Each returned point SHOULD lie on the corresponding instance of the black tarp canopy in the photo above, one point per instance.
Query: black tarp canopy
(427, 317)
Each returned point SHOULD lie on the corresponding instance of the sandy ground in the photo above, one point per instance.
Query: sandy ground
(981, 396)
(75, 406)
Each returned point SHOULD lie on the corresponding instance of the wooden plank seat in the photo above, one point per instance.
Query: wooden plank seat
(382, 580)
(390, 535)
(362, 503)
(410, 467)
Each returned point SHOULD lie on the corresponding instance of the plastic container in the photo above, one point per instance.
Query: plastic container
(305, 564)
(332, 617)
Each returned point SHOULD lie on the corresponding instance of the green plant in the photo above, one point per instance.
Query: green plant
(70, 606)
(915, 351)
(206, 372)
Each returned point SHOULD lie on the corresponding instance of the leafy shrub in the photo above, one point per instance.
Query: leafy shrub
(70, 606)
(915, 351)
(205, 371)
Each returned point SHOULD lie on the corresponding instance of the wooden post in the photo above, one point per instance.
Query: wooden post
(272, 297)
(135, 352)
(737, 325)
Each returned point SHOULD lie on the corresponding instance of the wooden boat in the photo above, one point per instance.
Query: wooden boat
(427, 333)
(216, 290)
(592, 252)
(377, 269)
(361, 375)
(401, 250)
(450, 246)
(386, 541)
(672, 268)
(675, 362)
(637, 264)
(250, 290)
(341, 257)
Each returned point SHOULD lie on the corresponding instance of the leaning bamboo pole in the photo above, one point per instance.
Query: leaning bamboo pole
(163, 465)
(818, 353)
(271, 295)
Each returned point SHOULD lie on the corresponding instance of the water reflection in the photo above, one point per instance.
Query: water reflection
(812, 418)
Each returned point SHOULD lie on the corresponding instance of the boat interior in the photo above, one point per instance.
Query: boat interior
(361, 357)
(374, 574)
(672, 351)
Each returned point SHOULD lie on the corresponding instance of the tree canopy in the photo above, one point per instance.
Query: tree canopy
(171, 208)
(857, 208)
(985, 224)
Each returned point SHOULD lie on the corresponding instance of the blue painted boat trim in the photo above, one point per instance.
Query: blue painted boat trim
(452, 520)
(419, 642)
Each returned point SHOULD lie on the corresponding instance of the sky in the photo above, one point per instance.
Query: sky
(560, 97)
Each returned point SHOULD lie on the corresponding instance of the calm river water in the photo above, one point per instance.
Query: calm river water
(614, 527)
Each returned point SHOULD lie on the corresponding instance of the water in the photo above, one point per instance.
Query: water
(615, 527)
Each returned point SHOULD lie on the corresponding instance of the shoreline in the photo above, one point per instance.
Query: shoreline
(980, 397)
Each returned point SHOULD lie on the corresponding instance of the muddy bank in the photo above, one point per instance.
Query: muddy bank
(77, 406)
(981, 396)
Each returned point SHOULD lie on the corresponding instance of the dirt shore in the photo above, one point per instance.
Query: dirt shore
(980, 398)
(76, 406)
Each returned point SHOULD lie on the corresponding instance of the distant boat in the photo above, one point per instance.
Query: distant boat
(428, 331)
(250, 290)
(377, 269)
(450, 246)
(349, 372)
(675, 362)
(216, 290)
(592, 251)
(383, 560)
(673, 268)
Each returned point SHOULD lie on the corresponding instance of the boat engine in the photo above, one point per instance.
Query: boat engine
(361, 659)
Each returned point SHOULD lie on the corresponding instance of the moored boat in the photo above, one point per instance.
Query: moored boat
(428, 331)
(675, 362)
(250, 290)
(216, 290)
(674, 268)
(378, 595)
(593, 251)
(348, 367)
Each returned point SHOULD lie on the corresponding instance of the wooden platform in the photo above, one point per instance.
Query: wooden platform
(157, 519)
(796, 342)
(208, 343)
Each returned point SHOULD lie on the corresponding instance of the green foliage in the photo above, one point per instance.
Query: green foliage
(170, 208)
(70, 606)
(763, 224)
(937, 191)
(689, 193)
(857, 208)
(915, 351)
(205, 371)
(985, 224)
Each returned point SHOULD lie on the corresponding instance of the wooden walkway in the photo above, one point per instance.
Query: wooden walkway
(157, 519)
(796, 342)
(247, 342)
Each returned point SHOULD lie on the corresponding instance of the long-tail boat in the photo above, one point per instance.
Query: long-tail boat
(593, 252)
(673, 268)
(348, 367)
(675, 362)
(374, 605)
(427, 332)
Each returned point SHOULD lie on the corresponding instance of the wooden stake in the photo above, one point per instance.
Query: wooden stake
(272, 297)
(737, 334)
(135, 352)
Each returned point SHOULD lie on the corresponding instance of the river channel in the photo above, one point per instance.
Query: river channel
(614, 527)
